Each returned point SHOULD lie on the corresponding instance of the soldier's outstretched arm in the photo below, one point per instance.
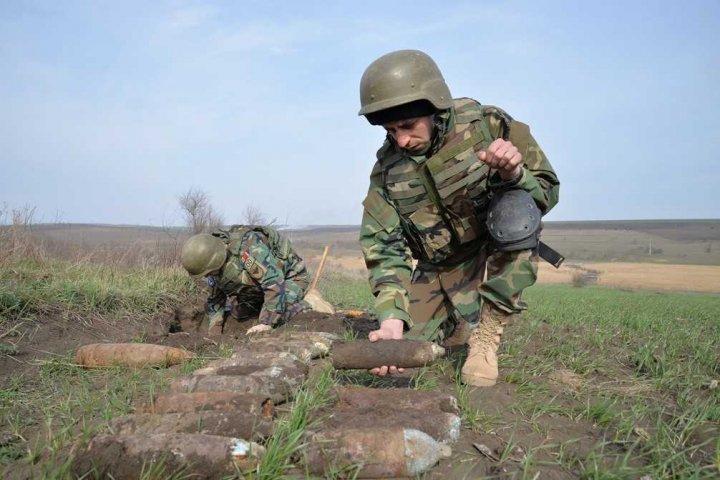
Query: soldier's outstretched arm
(264, 268)
(389, 267)
(215, 307)
(387, 258)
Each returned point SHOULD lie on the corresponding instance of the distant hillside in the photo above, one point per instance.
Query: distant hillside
(694, 242)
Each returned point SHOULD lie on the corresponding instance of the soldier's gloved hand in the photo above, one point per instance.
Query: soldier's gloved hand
(503, 156)
(259, 328)
(390, 329)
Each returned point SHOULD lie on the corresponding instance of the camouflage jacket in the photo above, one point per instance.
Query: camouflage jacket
(432, 207)
(259, 258)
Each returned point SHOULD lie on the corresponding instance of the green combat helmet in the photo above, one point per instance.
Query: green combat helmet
(401, 78)
(202, 254)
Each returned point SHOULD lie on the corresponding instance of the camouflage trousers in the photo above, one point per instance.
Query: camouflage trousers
(443, 299)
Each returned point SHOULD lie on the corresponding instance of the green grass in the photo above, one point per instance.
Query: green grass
(671, 338)
(58, 402)
(645, 361)
(29, 288)
(289, 434)
(345, 291)
(68, 404)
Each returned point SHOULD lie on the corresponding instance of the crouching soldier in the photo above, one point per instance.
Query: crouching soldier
(460, 187)
(252, 270)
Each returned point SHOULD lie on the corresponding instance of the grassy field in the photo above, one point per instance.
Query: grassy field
(597, 382)
(632, 377)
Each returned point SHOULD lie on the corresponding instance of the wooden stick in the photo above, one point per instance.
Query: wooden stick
(320, 267)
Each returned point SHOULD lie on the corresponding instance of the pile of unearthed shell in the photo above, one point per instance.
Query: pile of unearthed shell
(211, 423)
(214, 422)
(383, 433)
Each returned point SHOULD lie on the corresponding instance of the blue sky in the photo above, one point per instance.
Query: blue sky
(110, 110)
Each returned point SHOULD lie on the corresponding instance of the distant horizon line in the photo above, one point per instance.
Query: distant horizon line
(355, 226)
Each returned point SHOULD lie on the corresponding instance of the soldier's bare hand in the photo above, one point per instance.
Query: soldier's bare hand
(390, 329)
(259, 328)
(503, 156)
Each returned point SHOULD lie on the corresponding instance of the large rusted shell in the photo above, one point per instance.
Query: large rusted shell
(196, 456)
(274, 388)
(396, 398)
(130, 354)
(251, 364)
(250, 403)
(401, 353)
(373, 452)
(304, 345)
(226, 424)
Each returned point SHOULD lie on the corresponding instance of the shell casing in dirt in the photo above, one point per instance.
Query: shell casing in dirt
(373, 452)
(440, 426)
(276, 385)
(305, 345)
(130, 354)
(253, 355)
(432, 412)
(226, 424)
(196, 456)
(249, 403)
(395, 398)
(250, 364)
(401, 353)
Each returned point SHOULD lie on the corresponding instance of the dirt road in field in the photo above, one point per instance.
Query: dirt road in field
(646, 276)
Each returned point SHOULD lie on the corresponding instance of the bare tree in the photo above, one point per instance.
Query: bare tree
(252, 215)
(199, 214)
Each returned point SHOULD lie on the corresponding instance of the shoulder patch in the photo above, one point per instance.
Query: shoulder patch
(248, 261)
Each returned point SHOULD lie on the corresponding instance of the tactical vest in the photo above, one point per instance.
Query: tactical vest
(442, 202)
(235, 236)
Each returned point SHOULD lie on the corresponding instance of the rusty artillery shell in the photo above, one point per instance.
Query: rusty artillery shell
(194, 455)
(435, 413)
(305, 345)
(395, 398)
(275, 383)
(248, 365)
(249, 403)
(253, 355)
(373, 452)
(225, 424)
(130, 354)
(401, 353)
(442, 427)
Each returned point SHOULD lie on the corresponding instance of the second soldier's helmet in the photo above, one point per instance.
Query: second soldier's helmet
(202, 254)
(402, 84)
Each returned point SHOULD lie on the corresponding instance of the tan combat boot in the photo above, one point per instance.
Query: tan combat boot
(481, 366)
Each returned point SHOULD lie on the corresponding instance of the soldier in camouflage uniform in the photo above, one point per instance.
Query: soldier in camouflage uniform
(430, 192)
(251, 269)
